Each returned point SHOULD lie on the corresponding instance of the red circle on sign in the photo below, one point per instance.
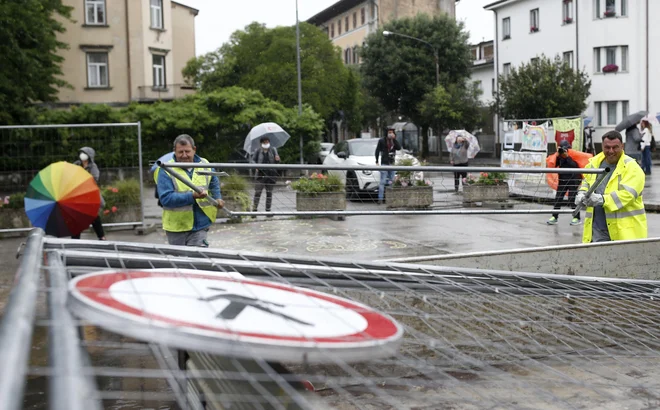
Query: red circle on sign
(96, 287)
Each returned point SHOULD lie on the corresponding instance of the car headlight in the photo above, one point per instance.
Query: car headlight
(367, 172)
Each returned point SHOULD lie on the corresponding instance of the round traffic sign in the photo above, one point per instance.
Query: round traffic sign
(234, 316)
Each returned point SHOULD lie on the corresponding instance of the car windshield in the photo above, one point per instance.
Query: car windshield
(363, 148)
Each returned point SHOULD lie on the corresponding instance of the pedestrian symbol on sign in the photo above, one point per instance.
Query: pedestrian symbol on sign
(238, 303)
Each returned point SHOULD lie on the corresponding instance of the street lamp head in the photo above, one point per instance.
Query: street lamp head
(386, 33)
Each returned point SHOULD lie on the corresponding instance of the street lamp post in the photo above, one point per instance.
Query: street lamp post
(435, 51)
(299, 78)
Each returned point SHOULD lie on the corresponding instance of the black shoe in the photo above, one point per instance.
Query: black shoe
(268, 216)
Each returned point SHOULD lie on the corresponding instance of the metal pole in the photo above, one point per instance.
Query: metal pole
(186, 182)
(299, 79)
(425, 168)
(17, 324)
(18, 127)
(70, 387)
(599, 180)
(437, 67)
(139, 127)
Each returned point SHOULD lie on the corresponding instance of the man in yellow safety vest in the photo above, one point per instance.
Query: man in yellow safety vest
(615, 211)
(187, 215)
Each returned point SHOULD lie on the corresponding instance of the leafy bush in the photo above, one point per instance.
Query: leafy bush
(235, 188)
(121, 194)
(318, 183)
(409, 178)
(486, 178)
(14, 201)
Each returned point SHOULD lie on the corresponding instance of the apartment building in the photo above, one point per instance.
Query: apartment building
(483, 70)
(349, 22)
(126, 50)
(609, 39)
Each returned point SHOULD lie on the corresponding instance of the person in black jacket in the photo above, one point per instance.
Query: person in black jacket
(385, 155)
(264, 178)
(567, 183)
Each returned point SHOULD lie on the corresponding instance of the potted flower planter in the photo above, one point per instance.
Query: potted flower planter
(485, 193)
(321, 201)
(13, 219)
(127, 213)
(409, 197)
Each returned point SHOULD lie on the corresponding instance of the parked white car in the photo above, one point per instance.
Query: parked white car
(325, 150)
(360, 152)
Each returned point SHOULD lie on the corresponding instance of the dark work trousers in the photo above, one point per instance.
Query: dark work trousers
(563, 187)
(459, 175)
(98, 229)
(258, 188)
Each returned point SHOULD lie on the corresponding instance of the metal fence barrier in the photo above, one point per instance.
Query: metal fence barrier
(472, 338)
(353, 190)
(26, 149)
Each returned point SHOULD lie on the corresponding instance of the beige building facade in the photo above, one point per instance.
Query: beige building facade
(349, 22)
(126, 50)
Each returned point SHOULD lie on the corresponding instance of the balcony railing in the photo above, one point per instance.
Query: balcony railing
(168, 92)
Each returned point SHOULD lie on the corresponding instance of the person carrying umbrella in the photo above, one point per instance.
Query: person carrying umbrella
(265, 178)
(633, 136)
(86, 160)
(187, 215)
(458, 157)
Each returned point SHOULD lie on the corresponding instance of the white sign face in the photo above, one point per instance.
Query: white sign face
(235, 308)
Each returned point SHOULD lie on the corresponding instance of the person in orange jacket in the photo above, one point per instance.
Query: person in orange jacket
(568, 183)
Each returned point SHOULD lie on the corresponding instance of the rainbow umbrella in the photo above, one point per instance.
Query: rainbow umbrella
(63, 199)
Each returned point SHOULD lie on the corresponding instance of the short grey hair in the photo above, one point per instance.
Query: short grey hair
(184, 139)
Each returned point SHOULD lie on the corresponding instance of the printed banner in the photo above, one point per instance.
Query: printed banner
(509, 140)
(516, 159)
(535, 137)
(569, 130)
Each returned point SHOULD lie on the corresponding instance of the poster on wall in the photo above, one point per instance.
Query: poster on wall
(516, 159)
(569, 130)
(535, 137)
(509, 140)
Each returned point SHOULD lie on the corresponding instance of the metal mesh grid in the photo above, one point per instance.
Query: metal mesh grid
(425, 190)
(473, 339)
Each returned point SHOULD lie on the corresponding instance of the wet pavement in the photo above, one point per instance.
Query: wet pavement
(370, 237)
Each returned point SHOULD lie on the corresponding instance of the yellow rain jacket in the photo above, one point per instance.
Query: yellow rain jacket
(182, 219)
(623, 205)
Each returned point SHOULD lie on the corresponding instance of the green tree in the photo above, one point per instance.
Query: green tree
(264, 59)
(30, 63)
(218, 121)
(454, 107)
(544, 88)
(400, 71)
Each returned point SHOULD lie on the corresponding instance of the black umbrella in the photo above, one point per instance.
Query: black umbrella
(631, 120)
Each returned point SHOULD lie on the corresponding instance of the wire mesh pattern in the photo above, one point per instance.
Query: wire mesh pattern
(254, 190)
(472, 338)
(25, 150)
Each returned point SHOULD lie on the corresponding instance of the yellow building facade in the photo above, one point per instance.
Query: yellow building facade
(126, 50)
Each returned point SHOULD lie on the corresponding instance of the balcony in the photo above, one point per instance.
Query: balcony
(148, 93)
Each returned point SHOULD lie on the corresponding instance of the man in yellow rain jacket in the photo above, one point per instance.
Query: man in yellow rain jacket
(615, 211)
(187, 215)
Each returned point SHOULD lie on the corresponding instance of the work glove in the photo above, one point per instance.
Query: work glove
(579, 199)
(595, 200)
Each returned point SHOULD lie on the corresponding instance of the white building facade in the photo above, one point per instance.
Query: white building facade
(589, 35)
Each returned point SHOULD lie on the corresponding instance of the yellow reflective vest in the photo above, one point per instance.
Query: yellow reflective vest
(182, 219)
(623, 205)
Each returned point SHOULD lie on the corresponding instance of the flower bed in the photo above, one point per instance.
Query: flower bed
(319, 193)
(489, 186)
(122, 202)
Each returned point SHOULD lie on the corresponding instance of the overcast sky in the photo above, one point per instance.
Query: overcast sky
(218, 19)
